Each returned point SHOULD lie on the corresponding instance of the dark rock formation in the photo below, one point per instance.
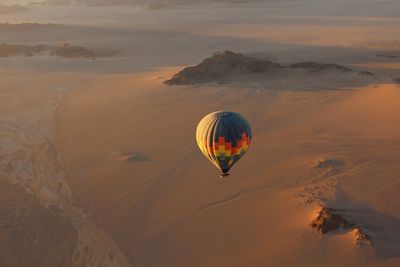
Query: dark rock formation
(329, 220)
(69, 51)
(7, 50)
(367, 73)
(220, 67)
(314, 66)
(225, 66)
(65, 51)
(362, 238)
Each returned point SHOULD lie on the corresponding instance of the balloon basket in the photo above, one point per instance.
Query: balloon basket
(222, 175)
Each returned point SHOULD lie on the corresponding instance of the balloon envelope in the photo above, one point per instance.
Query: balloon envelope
(223, 137)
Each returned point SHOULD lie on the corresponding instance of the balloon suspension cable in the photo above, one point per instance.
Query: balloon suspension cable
(224, 174)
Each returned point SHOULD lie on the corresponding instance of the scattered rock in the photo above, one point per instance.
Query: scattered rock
(329, 167)
(329, 163)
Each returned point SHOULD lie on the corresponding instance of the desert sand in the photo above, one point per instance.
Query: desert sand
(10, 9)
(98, 160)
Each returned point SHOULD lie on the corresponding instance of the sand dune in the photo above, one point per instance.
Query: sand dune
(28, 229)
(195, 213)
(39, 215)
(10, 9)
(98, 160)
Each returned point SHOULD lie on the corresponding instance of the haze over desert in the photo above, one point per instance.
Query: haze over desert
(99, 104)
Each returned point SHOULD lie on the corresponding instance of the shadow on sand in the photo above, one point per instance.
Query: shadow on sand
(382, 228)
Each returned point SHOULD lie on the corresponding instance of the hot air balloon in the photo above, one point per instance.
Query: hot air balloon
(223, 137)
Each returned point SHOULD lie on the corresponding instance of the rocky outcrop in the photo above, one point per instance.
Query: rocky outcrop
(227, 66)
(64, 50)
(220, 67)
(69, 51)
(317, 67)
(361, 238)
(328, 220)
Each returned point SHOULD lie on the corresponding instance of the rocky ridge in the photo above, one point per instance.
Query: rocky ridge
(225, 67)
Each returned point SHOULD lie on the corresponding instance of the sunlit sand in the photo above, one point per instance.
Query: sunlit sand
(99, 164)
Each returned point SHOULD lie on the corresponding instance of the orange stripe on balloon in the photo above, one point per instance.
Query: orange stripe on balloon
(239, 144)
(228, 146)
(221, 140)
(234, 150)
